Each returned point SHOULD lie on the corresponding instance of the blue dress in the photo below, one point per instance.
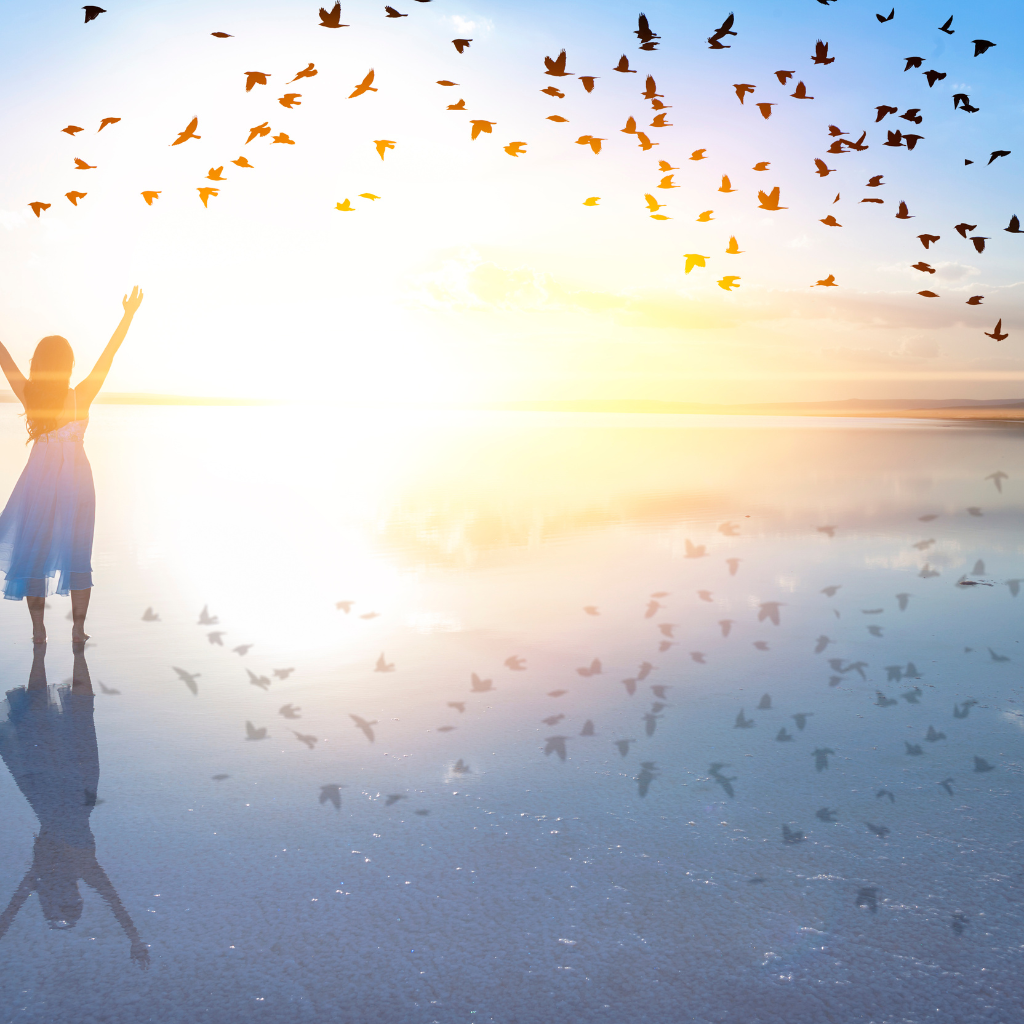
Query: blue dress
(47, 527)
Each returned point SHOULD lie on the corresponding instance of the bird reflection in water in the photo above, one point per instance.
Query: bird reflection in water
(48, 742)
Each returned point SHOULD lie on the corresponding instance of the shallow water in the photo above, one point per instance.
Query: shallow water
(605, 886)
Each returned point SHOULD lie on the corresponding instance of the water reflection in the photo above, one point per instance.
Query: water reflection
(48, 742)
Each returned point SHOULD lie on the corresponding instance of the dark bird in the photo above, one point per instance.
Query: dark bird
(106, 121)
(310, 741)
(331, 18)
(365, 727)
(880, 830)
(821, 53)
(81, 165)
(800, 93)
(459, 705)
(331, 794)
(110, 691)
(188, 133)
(393, 799)
(894, 139)
(643, 31)
(913, 62)
(801, 719)
(242, 649)
(964, 709)
(996, 153)
(981, 46)
(555, 745)
(959, 920)
(461, 768)
(726, 625)
(769, 610)
(927, 240)
(261, 681)
(883, 701)
(783, 736)
(588, 82)
(981, 765)
(882, 19)
(650, 723)
(791, 835)
(222, 35)
(913, 749)
(593, 669)
(962, 229)
(623, 746)
(648, 773)
(868, 897)
(623, 66)
(885, 792)
(884, 111)
(588, 728)
(933, 77)
(923, 267)
(188, 678)
(630, 685)
(725, 781)
(723, 30)
(254, 78)
(904, 213)
(478, 685)
(979, 242)
(784, 76)
(997, 478)
(766, 109)
(742, 89)
(913, 114)
(995, 335)
(556, 65)
(913, 696)
(742, 722)
(461, 44)
(770, 200)
(933, 736)
(92, 13)
(945, 28)
(1014, 226)
(820, 756)
(289, 711)
(825, 814)
(946, 784)
(823, 171)
(390, 12)
(644, 671)
(765, 703)
(150, 616)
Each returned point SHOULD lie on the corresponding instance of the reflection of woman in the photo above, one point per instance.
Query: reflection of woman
(46, 529)
(48, 742)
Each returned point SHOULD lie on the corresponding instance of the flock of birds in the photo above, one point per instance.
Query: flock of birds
(558, 743)
(768, 199)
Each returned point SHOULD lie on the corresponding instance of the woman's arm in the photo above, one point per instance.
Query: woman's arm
(14, 376)
(89, 388)
(95, 876)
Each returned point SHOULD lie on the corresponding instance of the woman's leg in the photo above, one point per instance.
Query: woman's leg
(79, 609)
(36, 607)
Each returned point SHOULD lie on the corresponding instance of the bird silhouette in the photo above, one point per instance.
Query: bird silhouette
(110, 691)
(331, 794)
(481, 126)
(828, 282)
(825, 814)
(945, 27)
(791, 835)
(927, 240)
(830, 222)
(261, 681)
(884, 18)
(623, 746)
(821, 756)
(1014, 226)
(648, 773)
(913, 114)
(822, 171)
(933, 736)
(553, 92)
(821, 54)
(92, 13)
(979, 242)
(260, 131)
(345, 206)
(461, 44)
(644, 671)
(769, 610)
(623, 66)
(555, 66)
(583, 140)
(783, 736)
(254, 78)
(704, 217)
(310, 741)
(460, 105)
(884, 110)
(588, 728)
(332, 18)
(885, 792)
(743, 89)
(81, 165)
(801, 719)
(725, 29)
(913, 62)
(904, 212)
(742, 722)
(588, 81)
(252, 733)
(365, 727)
(188, 678)
(555, 745)
(382, 145)
(996, 334)
(383, 665)
(478, 685)
(800, 92)
(770, 200)
(981, 765)
(515, 663)
(390, 12)
(593, 669)
(693, 259)
(290, 100)
(282, 138)
(964, 709)
(925, 268)
(289, 711)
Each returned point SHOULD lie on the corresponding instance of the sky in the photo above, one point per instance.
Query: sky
(481, 277)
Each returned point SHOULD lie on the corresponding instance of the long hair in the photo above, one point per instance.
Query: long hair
(47, 387)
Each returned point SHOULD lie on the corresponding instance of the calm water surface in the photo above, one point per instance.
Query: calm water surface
(722, 793)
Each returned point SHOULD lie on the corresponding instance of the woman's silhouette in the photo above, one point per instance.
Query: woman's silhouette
(46, 529)
(48, 741)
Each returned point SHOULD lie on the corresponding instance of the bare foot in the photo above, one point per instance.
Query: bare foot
(79, 638)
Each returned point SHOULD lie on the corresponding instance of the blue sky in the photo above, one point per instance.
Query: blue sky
(480, 276)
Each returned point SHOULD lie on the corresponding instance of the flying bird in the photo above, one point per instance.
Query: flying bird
(784, 76)
(913, 62)
(704, 217)
(478, 685)
(742, 89)
(726, 185)
(365, 727)
(979, 242)
(206, 192)
(188, 133)
(996, 153)
(997, 478)
(770, 200)
(828, 282)
(693, 259)
(766, 109)
(254, 78)
(933, 77)
(823, 171)
(222, 35)
(588, 81)
(345, 206)
(282, 138)
(106, 121)
(461, 44)
(904, 212)
(1014, 226)
(995, 335)
(926, 240)
(556, 66)
(733, 248)
(981, 46)
(485, 126)
(72, 129)
(331, 18)
(945, 27)
(623, 66)
(382, 145)
(552, 91)
(73, 197)
(762, 166)
(698, 154)
(821, 54)
(461, 105)
(800, 93)
(366, 85)
(242, 162)
(883, 19)
(290, 100)
(728, 282)
(81, 165)
(92, 13)
(390, 12)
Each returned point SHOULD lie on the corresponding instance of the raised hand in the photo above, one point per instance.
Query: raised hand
(131, 303)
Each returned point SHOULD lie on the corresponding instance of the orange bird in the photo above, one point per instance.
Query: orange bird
(382, 145)
(73, 197)
(38, 208)
(290, 99)
(81, 165)
(515, 148)
(558, 119)
(331, 18)
(282, 139)
(188, 133)
(254, 78)
(105, 122)
(734, 248)
(366, 85)
(307, 72)
(481, 126)
(693, 259)
(261, 130)
(149, 197)
(801, 92)
(206, 192)
(242, 162)
(71, 129)
(214, 173)
(461, 105)
(770, 200)
(828, 282)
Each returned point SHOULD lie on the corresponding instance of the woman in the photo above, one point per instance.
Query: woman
(46, 529)
(48, 741)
